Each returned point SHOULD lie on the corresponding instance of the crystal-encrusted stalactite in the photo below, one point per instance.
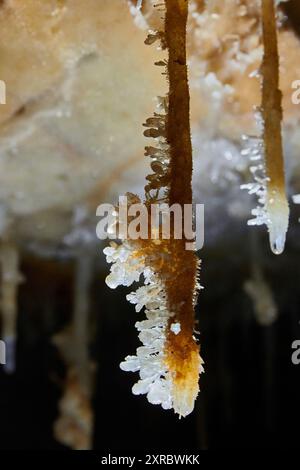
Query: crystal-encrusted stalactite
(182, 352)
(266, 150)
(168, 362)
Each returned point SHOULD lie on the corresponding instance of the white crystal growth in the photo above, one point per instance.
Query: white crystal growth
(272, 209)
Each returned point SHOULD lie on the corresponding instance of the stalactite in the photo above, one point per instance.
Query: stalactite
(260, 292)
(10, 279)
(257, 286)
(168, 362)
(74, 427)
(267, 152)
(182, 351)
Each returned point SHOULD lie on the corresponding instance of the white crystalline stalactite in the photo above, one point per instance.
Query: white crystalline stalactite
(271, 209)
(260, 292)
(296, 199)
(74, 426)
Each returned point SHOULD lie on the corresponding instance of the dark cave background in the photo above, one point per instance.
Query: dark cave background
(249, 392)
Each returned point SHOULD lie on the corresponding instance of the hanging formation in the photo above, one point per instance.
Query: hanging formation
(265, 150)
(169, 360)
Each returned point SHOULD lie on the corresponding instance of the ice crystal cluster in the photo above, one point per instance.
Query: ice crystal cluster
(160, 158)
(129, 265)
(168, 361)
(149, 360)
(156, 380)
(254, 151)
